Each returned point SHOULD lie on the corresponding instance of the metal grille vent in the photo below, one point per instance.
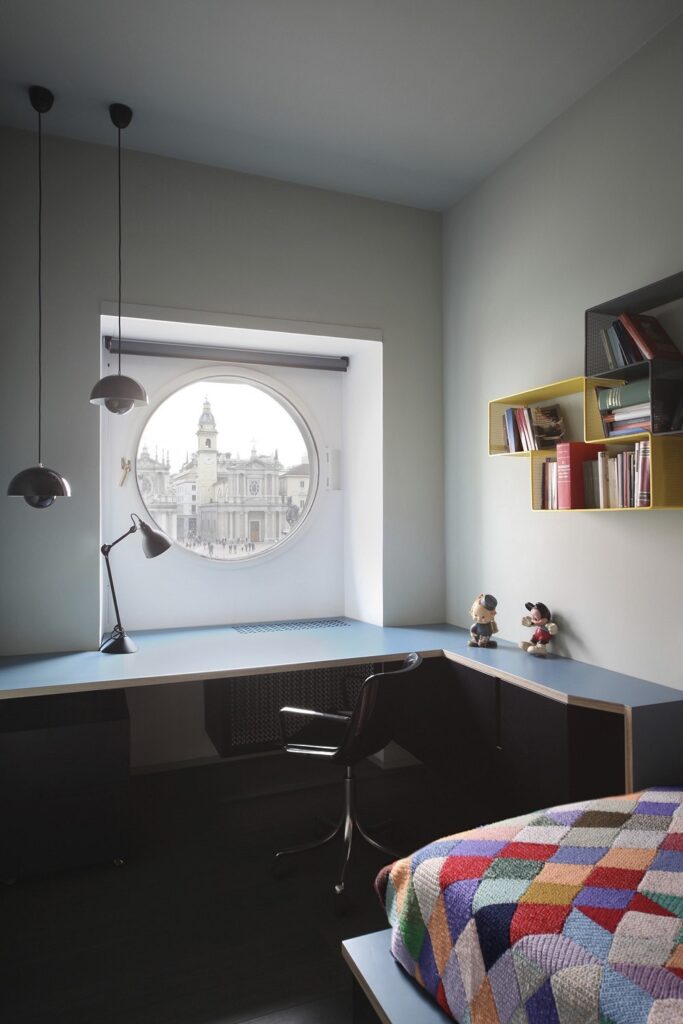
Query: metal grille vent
(242, 714)
(286, 627)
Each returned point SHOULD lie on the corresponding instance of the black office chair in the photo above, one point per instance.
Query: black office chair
(346, 738)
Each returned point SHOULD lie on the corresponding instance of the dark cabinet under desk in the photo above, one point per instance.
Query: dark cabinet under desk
(63, 782)
(553, 752)
(506, 748)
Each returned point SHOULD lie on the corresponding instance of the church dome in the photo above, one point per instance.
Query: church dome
(206, 420)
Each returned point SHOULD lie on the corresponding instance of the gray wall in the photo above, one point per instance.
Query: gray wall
(590, 209)
(201, 239)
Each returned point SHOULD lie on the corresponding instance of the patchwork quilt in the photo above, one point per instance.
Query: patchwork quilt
(572, 915)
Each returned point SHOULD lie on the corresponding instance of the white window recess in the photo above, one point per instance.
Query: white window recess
(333, 565)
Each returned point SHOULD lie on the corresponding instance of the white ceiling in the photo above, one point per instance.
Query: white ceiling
(413, 101)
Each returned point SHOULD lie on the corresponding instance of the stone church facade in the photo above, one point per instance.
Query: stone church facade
(217, 498)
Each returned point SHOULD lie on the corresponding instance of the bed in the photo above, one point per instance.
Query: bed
(570, 915)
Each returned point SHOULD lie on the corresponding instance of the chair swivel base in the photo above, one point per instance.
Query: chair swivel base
(347, 825)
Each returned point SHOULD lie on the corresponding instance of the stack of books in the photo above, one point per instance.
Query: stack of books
(626, 409)
(588, 476)
(624, 477)
(528, 429)
(634, 338)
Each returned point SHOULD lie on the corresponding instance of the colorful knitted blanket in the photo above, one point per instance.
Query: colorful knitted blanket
(572, 915)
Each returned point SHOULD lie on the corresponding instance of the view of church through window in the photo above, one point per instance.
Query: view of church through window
(225, 467)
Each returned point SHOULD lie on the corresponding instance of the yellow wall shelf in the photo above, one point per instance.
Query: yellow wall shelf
(666, 451)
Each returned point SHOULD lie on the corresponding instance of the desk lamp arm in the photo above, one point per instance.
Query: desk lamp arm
(105, 549)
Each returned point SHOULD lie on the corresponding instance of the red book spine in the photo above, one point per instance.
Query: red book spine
(650, 336)
(571, 456)
(521, 426)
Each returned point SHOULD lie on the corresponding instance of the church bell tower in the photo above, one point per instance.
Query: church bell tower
(207, 454)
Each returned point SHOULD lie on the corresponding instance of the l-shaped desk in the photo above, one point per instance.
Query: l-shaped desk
(644, 720)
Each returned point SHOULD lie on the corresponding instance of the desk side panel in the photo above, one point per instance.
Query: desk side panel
(658, 745)
(597, 753)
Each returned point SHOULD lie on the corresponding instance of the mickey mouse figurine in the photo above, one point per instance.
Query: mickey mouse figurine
(483, 611)
(544, 630)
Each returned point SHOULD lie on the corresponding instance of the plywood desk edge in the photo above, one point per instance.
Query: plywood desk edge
(395, 997)
(86, 671)
(540, 688)
(89, 685)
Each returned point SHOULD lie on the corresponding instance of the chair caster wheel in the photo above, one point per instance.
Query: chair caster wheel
(341, 900)
(118, 862)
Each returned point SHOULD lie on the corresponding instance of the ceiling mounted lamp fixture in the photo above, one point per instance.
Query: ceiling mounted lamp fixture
(37, 485)
(116, 392)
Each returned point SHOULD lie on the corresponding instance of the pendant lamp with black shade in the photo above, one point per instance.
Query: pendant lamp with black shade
(116, 392)
(38, 485)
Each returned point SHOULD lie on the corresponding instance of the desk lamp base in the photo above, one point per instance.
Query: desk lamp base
(118, 643)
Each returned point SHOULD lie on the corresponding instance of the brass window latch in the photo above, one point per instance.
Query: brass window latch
(126, 466)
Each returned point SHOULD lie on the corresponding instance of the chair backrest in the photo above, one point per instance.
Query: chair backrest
(372, 721)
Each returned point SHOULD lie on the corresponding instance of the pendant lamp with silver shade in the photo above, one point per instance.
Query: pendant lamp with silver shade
(38, 485)
(116, 392)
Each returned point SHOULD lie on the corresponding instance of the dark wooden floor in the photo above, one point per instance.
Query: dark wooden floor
(194, 929)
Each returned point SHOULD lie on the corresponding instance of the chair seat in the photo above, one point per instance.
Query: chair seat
(345, 738)
(320, 732)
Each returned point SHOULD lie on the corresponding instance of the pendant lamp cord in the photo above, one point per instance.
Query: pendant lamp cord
(40, 286)
(119, 171)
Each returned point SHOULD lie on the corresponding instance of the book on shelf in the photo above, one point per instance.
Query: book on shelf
(630, 406)
(649, 336)
(610, 344)
(626, 408)
(549, 483)
(628, 412)
(642, 481)
(523, 428)
(612, 489)
(572, 457)
(619, 347)
(547, 426)
(603, 493)
(624, 477)
(512, 438)
(590, 483)
(629, 427)
(607, 349)
(635, 393)
(531, 428)
(632, 354)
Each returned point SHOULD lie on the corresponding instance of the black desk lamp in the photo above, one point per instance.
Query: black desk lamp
(154, 543)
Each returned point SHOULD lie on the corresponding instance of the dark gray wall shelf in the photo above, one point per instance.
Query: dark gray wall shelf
(642, 300)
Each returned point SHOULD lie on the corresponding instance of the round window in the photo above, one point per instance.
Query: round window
(222, 466)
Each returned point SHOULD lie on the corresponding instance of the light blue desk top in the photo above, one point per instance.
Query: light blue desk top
(180, 655)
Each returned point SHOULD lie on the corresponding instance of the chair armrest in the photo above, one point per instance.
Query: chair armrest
(306, 713)
(333, 716)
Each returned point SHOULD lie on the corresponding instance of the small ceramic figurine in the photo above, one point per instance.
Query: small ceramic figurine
(483, 611)
(544, 630)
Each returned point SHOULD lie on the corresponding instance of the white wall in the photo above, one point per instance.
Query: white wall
(590, 209)
(201, 239)
(361, 469)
